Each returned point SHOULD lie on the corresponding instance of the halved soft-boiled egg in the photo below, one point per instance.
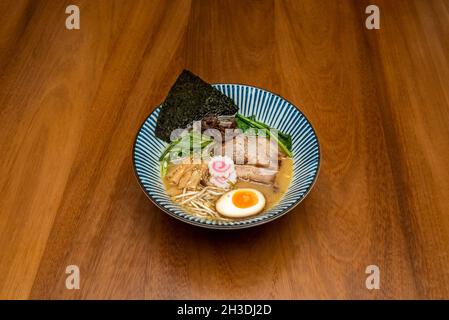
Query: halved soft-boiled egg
(240, 203)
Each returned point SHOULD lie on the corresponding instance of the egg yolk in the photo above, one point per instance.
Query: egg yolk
(244, 199)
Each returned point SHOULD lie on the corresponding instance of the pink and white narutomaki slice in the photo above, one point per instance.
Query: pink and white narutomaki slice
(222, 171)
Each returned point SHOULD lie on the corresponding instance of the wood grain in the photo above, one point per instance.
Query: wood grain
(71, 102)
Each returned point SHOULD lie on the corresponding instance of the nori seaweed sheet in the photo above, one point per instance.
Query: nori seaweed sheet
(190, 99)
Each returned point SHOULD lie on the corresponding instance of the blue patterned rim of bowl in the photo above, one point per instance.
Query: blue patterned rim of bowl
(267, 107)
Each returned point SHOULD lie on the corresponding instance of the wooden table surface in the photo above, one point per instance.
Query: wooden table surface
(71, 102)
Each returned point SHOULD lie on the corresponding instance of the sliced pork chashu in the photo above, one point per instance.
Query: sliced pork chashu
(256, 174)
(251, 150)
